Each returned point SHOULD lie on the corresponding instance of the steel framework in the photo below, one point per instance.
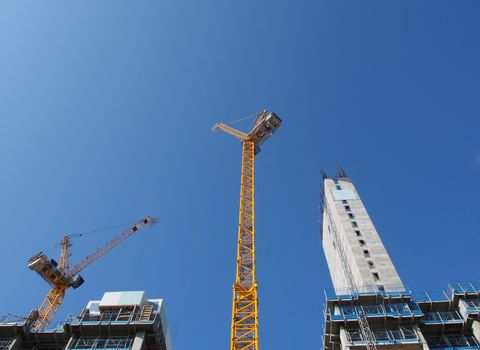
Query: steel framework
(244, 334)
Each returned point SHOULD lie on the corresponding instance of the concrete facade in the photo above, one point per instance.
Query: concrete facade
(369, 261)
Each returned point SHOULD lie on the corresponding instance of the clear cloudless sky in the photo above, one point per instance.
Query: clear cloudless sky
(105, 116)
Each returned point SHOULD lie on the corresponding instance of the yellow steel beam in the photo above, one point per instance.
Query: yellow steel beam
(49, 307)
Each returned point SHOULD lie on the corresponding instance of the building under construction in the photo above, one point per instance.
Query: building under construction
(120, 321)
(370, 307)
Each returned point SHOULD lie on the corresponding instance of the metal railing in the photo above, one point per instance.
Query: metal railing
(102, 343)
(367, 290)
(458, 342)
(117, 316)
(443, 317)
(472, 305)
(5, 343)
(393, 310)
(12, 319)
(398, 335)
(465, 287)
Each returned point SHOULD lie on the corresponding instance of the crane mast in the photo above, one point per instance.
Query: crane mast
(244, 333)
(61, 276)
(244, 326)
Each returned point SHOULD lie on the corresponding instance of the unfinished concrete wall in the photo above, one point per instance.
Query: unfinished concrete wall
(367, 257)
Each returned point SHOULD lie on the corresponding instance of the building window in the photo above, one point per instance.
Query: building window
(335, 181)
(370, 264)
(354, 224)
(347, 208)
(366, 253)
(344, 201)
(376, 277)
(358, 233)
(362, 242)
(350, 215)
(338, 187)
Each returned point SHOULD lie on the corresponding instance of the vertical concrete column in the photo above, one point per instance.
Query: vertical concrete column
(344, 339)
(139, 341)
(476, 330)
(422, 338)
(15, 345)
(70, 342)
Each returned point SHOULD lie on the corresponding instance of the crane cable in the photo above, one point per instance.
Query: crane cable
(242, 119)
(81, 234)
(100, 229)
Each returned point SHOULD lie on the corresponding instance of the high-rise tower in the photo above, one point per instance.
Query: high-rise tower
(368, 259)
(370, 307)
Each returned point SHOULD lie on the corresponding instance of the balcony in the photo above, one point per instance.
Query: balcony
(5, 343)
(110, 343)
(461, 342)
(447, 317)
(345, 313)
(12, 320)
(120, 316)
(465, 288)
(470, 307)
(403, 335)
(386, 292)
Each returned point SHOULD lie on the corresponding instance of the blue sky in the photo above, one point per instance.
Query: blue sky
(105, 116)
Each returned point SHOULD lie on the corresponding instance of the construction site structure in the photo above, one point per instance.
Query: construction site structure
(119, 321)
(370, 308)
(63, 276)
(244, 324)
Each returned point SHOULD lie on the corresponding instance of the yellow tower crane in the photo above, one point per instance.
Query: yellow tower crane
(244, 332)
(61, 276)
